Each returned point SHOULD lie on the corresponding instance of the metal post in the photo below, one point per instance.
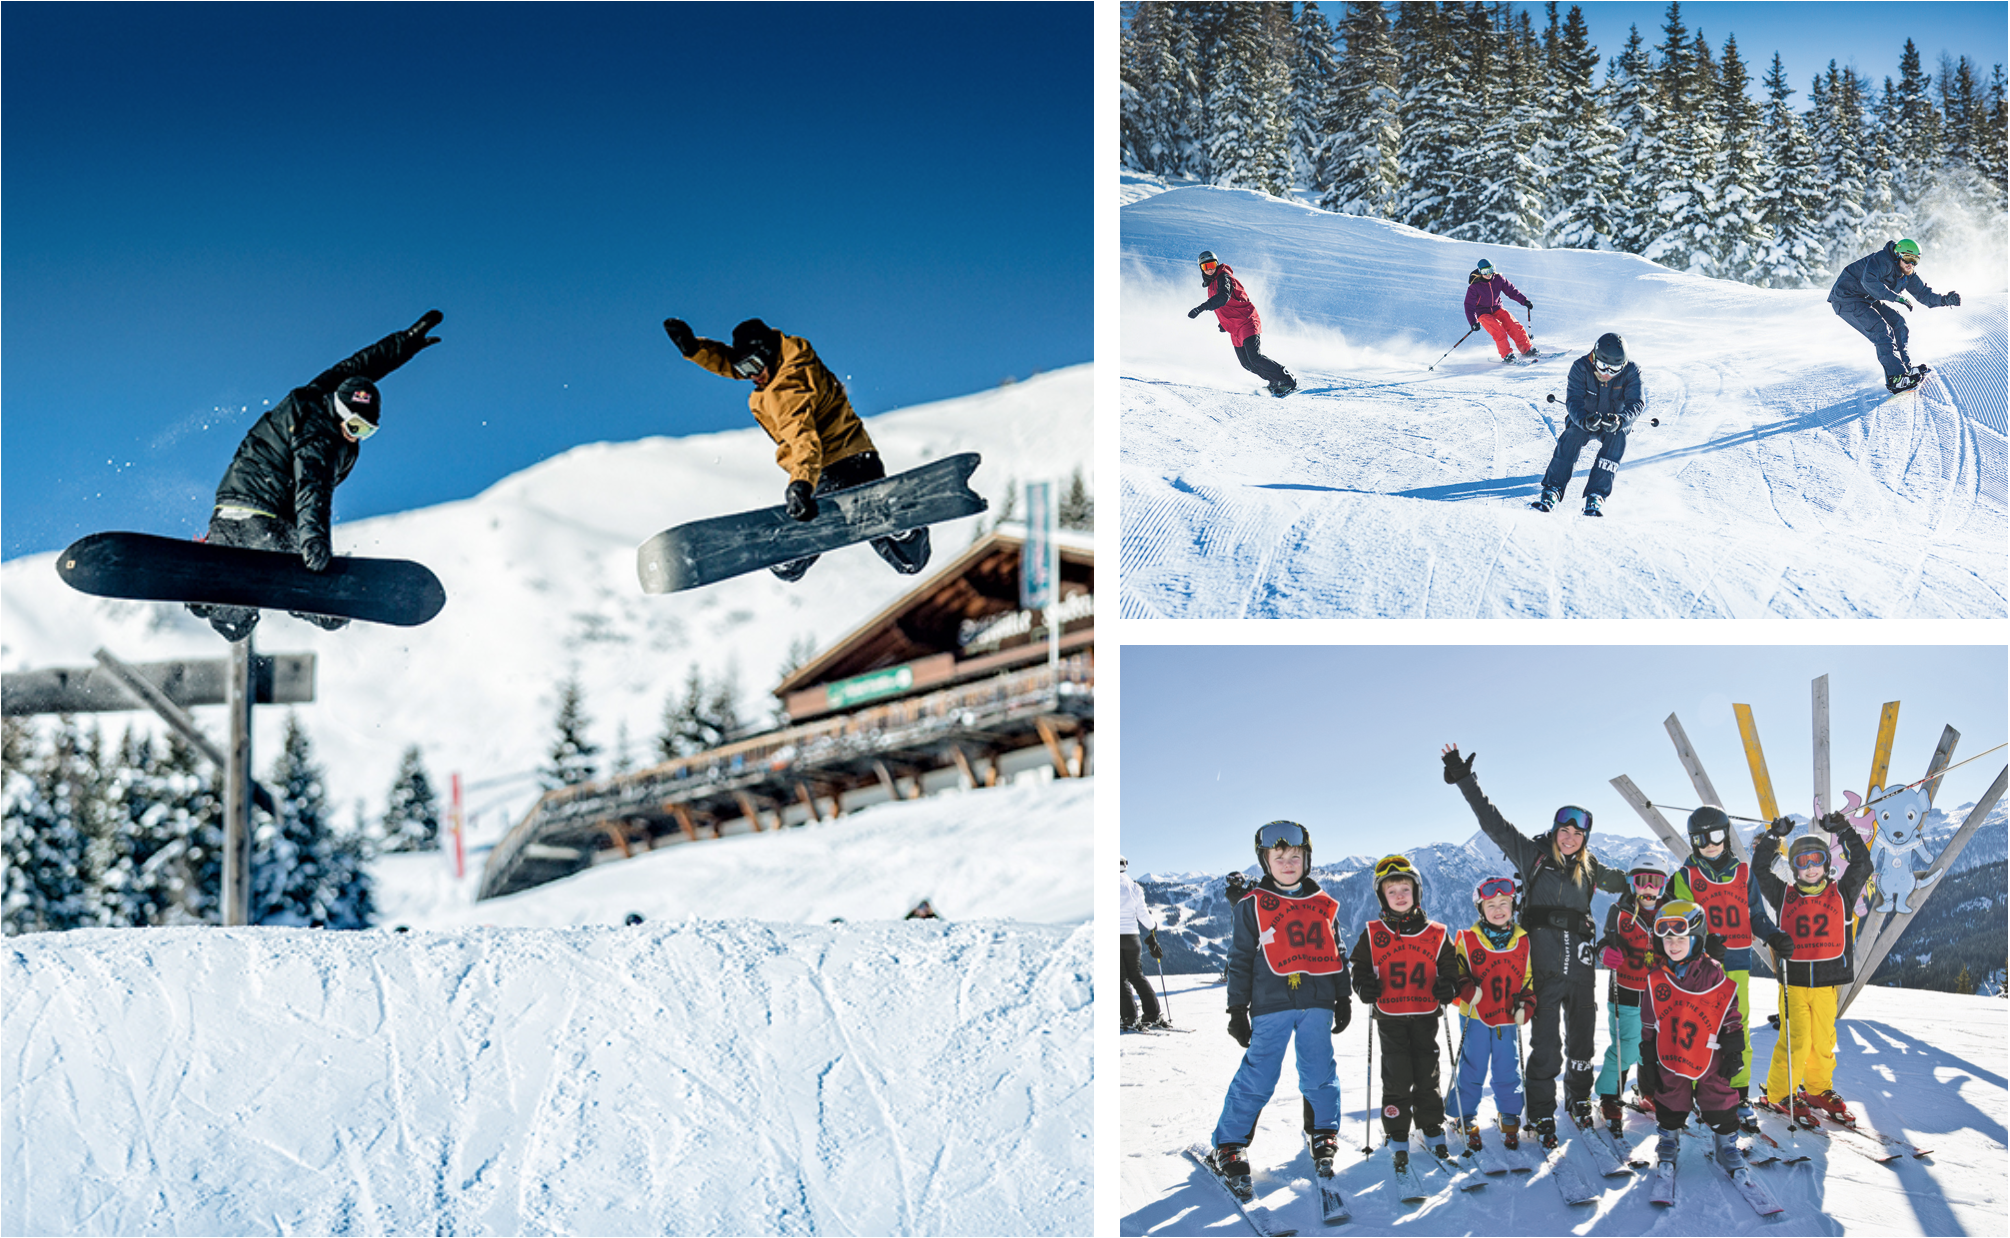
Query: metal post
(1053, 617)
(237, 789)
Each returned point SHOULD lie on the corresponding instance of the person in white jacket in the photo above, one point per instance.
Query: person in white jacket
(1132, 917)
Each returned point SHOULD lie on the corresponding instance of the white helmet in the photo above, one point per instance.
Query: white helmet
(1123, 865)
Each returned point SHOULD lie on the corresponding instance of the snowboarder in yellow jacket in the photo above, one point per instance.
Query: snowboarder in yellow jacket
(819, 441)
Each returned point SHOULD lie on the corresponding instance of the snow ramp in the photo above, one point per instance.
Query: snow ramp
(1780, 482)
(696, 1077)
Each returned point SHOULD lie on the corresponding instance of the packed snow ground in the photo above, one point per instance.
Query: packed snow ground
(540, 578)
(1921, 1065)
(735, 1064)
(1778, 483)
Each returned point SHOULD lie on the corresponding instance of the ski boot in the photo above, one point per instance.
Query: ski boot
(1545, 1134)
(1548, 500)
(1532, 354)
(1666, 1145)
(327, 623)
(1511, 1132)
(1285, 385)
(1129, 1025)
(1901, 382)
(1325, 1145)
(1800, 1113)
(1580, 1113)
(1473, 1141)
(1831, 1106)
(1435, 1141)
(1615, 1117)
(1399, 1160)
(1229, 1162)
(1594, 505)
(1748, 1118)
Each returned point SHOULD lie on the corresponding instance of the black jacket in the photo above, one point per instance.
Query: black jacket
(1856, 871)
(1556, 910)
(1588, 401)
(291, 461)
(1878, 277)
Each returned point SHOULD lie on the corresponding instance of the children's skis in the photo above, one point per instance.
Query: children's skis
(1576, 1188)
(1409, 1182)
(1258, 1218)
(1332, 1200)
(1751, 1188)
(1604, 1153)
(1464, 1177)
(1898, 1147)
(1664, 1184)
(1773, 1130)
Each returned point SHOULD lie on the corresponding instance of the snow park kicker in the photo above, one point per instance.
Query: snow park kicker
(1927, 1064)
(1780, 482)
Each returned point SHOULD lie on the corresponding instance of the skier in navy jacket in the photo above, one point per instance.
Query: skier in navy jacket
(1857, 297)
(1602, 400)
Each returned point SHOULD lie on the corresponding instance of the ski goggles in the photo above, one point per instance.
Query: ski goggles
(358, 426)
(1677, 919)
(1649, 882)
(1908, 260)
(750, 366)
(1209, 265)
(1281, 834)
(1494, 887)
(1571, 817)
(1607, 370)
(1810, 859)
(1713, 836)
(1393, 866)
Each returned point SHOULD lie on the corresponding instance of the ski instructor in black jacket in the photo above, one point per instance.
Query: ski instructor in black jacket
(1559, 875)
(280, 487)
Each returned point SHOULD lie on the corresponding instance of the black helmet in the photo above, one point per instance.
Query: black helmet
(754, 342)
(1610, 351)
(1706, 820)
(358, 397)
(1281, 833)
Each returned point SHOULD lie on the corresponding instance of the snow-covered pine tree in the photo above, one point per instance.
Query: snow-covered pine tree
(1990, 149)
(1359, 168)
(302, 872)
(571, 753)
(1248, 129)
(1077, 508)
(1835, 123)
(1912, 129)
(1582, 154)
(1315, 81)
(1630, 86)
(1792, 196)
(1138, 66)
(43, 889)
(704, 717)
(1432, 114)
(192, 866)
(1886, 214)
(1504, 188)
(411, 809)
(135, 887)
(1686, 205)
(1741, 242)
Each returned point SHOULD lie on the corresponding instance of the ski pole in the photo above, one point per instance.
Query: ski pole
(1457, 1062)
(1652, 421)
(1165, 995)
(1454, 348)
(1787, 1029)
(1930, 777)
(1368, 1092)
(1734, 817)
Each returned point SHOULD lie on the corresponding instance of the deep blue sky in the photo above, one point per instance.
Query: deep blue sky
(206, 205)
(1218, 740)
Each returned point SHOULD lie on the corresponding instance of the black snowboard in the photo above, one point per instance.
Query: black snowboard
(167, 569)
(708, 551)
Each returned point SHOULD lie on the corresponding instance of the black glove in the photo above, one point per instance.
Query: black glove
(1343, 1014)
(1368, 987)
(1952, 298)
(1238, 1025)
(1456, 769)
(1194, 312)
(1832, 822)
(1781, 827)
(681, 335)
(314, 553)
(1782, 944)
(801, 503)
(1444, 989)
(418, 331)
(1152, 944)
(1730, 1055)
(1713, 945)
(1648, 1072)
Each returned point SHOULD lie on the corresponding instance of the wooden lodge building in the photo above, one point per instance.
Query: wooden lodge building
(949, 686)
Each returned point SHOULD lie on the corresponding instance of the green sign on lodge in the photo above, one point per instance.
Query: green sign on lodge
(869, 687)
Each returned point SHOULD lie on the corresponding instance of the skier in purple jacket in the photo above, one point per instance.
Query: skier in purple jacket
(1484, 290)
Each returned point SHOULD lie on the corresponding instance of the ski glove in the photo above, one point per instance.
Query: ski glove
(1343, 1014)
(1782, 945)
(681, 335)
(1713, 945)
(314, 554)
(1524, 1002)
(1781, 827)
(417, 331)
(1368, 987)
(1906, 301)
(1194, 312)
(801, 503)
(1730, 1054)
(1455, 769)
(1648, 1073)
(1832, 823)
(1152, 944)
(1444, 989)
(1611, 957)
(1238, 1026)
(1951, 298)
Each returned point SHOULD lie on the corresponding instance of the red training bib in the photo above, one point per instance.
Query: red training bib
(1634, 939)
(1726, 903)
(1818, 924)
(1685, 1023)
(1497, 975)
(1296, 934)
(1406, 966)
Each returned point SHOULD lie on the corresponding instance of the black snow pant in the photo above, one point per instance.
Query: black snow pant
(1410, 1075)
(253, 532)
(1566, 1016)
(908, 553)
(1883, 326)
(1570, 444)
(1134, 977)
(1250, 353)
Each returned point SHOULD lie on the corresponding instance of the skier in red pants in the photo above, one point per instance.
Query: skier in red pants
(1484, 290)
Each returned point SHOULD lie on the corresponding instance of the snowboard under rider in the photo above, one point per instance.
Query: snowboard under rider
(1602, 401)
(1559, 875)
(819, 441)
(1135, 921)
(1287, 985)
(1692, 1038)
(279, 491)
(1237, 315)
(1857, 298)
(1406, 970)
(1484, 289)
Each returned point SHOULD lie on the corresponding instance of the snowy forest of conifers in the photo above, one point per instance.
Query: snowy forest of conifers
(1463, 120)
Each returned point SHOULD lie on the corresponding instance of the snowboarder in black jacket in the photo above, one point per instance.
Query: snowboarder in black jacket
(1602, 401)
(279, 490)
(1886, 275)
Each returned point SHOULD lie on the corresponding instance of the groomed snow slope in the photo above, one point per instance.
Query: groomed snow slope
(1925, 1066)
(760, 1072)
(1779, 482)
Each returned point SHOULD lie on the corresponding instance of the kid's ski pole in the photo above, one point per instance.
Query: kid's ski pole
(1652, 421)
(1787, 1030)
(1368, 1092)
(1456, 1062)
(1452, 349)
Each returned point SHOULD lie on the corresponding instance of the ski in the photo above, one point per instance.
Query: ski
(1258, 1218)
(1866, 1147)
(1489, 1159)
(1899, 1147)
(1752, 1189)
(1604, 1154)
(1410, 1186)
(1664, 1184)
(1332, 1200)
(1773, 1129)
(1464, 1177)
(1570, 1180)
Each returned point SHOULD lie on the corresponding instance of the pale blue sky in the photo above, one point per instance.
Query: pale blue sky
(1218, 740)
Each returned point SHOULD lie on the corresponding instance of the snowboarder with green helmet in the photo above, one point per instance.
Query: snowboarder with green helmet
(1858, 299)
(1602, 401)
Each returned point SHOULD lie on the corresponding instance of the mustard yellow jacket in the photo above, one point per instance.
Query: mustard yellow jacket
(803, 408)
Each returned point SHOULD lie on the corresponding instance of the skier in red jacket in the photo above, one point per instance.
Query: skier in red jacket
(1237, 315)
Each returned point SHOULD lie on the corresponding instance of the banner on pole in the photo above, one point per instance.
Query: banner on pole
(1036, 561)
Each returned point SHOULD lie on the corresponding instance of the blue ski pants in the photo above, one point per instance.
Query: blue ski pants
(1481, 1049)
(1623, 1052)
(1883, 326)
(1570, 444)
(1263, 1061)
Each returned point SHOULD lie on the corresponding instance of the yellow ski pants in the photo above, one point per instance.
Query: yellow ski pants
(1808, 1019)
